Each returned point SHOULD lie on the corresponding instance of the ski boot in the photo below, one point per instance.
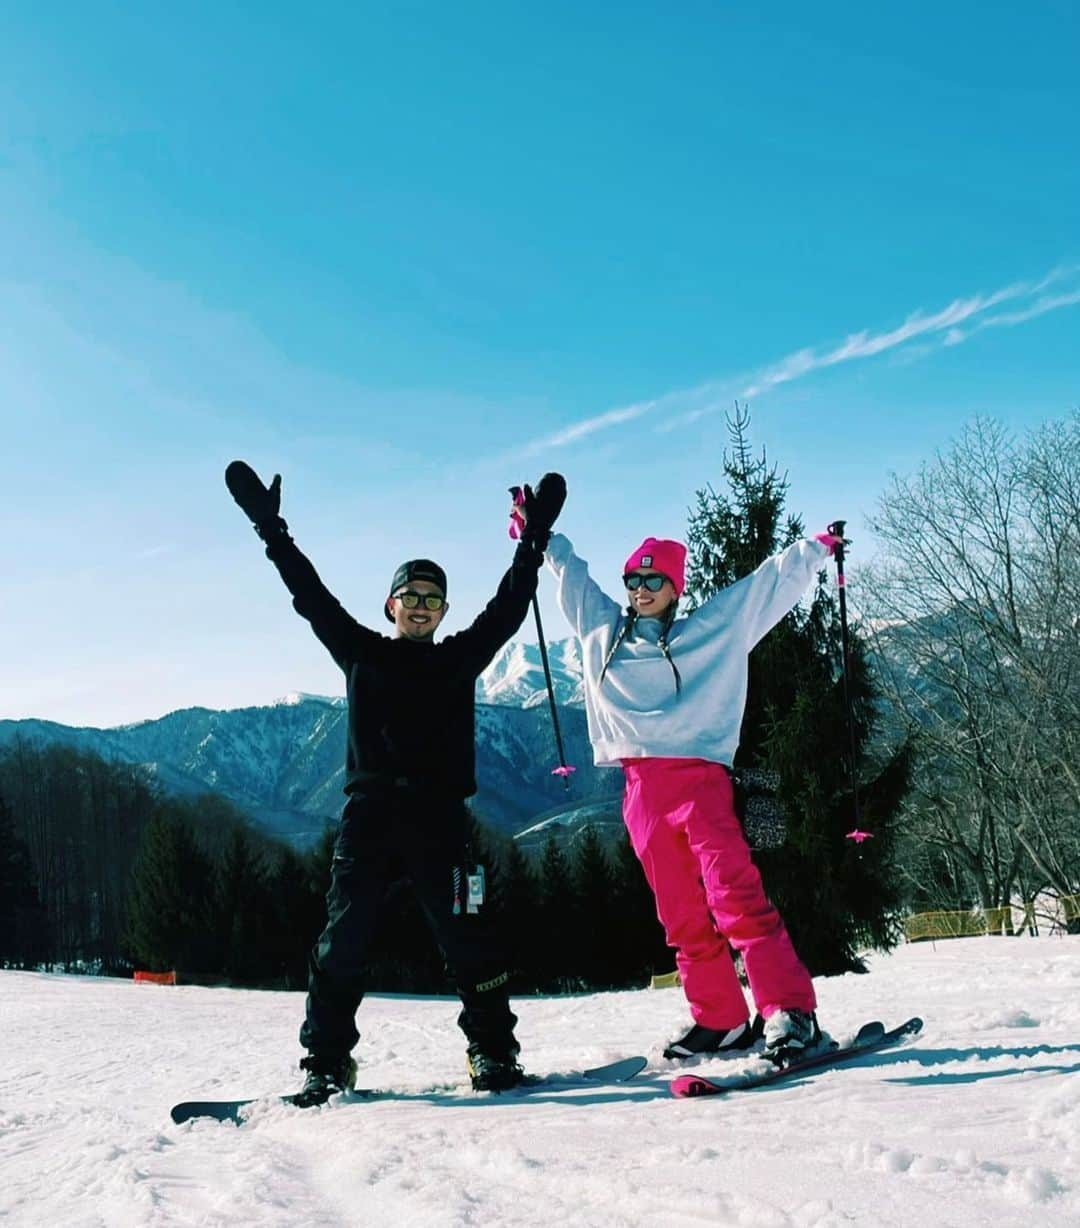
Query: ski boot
(701, 1041)
(493, 1072)
(326, 1077)
(790, 1034)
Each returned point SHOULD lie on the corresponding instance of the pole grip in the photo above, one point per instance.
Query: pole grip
(837, 530)
(517, 524)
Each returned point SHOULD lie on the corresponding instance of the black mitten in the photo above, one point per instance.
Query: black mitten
(542, 507)
(260, 503)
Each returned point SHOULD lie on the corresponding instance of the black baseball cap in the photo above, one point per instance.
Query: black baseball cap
(416, 569)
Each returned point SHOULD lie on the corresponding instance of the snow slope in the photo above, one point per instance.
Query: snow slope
(976, 1122)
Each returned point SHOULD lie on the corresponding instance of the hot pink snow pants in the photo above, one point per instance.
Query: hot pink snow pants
(681, 818)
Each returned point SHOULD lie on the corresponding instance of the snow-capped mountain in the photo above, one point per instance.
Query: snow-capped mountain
(283, 764)
(516, 676)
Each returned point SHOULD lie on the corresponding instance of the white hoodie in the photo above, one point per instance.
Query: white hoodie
(636, 712)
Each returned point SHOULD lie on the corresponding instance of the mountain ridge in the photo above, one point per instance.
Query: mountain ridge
(284, 763)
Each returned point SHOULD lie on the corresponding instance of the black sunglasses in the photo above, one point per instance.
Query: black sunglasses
(653, 583)
(411, 600)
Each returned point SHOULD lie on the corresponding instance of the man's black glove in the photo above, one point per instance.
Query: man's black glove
(534, 511)
(260, 503)
(542, 508)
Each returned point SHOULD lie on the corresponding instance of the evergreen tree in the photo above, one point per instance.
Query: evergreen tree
(836, 897)
(641, 951)
(518, 914)
(242, 909)
(20, 911)
(557, 960)
(296, 912)
(594, 894)
(170, 906)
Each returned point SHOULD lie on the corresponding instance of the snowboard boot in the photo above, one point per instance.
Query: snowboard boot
(326, 1077)
(702, 1041)
(493, 1072)
(789, 1034)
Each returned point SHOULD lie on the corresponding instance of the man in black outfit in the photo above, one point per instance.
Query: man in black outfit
(406, 783)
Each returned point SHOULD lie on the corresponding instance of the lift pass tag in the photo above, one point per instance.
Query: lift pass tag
(476, 890)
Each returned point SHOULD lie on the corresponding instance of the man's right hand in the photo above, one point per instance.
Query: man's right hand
(261, 504)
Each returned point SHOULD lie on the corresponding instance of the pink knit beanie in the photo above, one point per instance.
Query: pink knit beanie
(661, 555)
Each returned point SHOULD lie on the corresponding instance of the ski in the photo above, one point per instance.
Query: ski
(234, 1110)
(616, 1072)
(870, 1038)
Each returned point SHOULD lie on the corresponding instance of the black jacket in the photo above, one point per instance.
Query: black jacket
(411, 704)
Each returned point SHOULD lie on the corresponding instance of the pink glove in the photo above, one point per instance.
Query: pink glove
(830, 541)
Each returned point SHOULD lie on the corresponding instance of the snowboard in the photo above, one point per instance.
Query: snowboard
(233, 1110)
(869, 1039)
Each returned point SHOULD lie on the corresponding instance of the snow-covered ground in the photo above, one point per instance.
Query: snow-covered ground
(976, 1122)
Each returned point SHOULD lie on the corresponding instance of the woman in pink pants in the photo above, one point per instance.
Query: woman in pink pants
(664, 697)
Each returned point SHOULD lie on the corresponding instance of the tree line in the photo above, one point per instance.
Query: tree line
(96, 862)
(191, 885)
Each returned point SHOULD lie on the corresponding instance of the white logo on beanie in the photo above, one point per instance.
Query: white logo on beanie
(646, 560)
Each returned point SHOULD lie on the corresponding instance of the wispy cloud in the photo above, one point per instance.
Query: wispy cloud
(918, 336)
(1007, 319)
(705, 398)
(947, 321)
(613, 417)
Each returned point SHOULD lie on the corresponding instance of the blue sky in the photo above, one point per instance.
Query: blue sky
(409, 254)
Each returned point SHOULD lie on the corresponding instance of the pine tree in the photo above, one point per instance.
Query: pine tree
(836, 897)
(517, 912)
(641, 950)
(241, 901)
(291, 921)
(558, 920)
(19, 905)
(594, 890)
(296, 889)
(170, 906)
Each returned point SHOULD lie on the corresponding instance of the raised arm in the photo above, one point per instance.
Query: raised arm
(761, 599)
(505, 612)
(583, 602)
(342, 635)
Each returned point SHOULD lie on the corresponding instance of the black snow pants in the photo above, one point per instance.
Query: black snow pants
(384, 830)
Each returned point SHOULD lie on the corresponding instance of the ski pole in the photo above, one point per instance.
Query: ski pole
(563, 769)
(517, 523)
(837, 530)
